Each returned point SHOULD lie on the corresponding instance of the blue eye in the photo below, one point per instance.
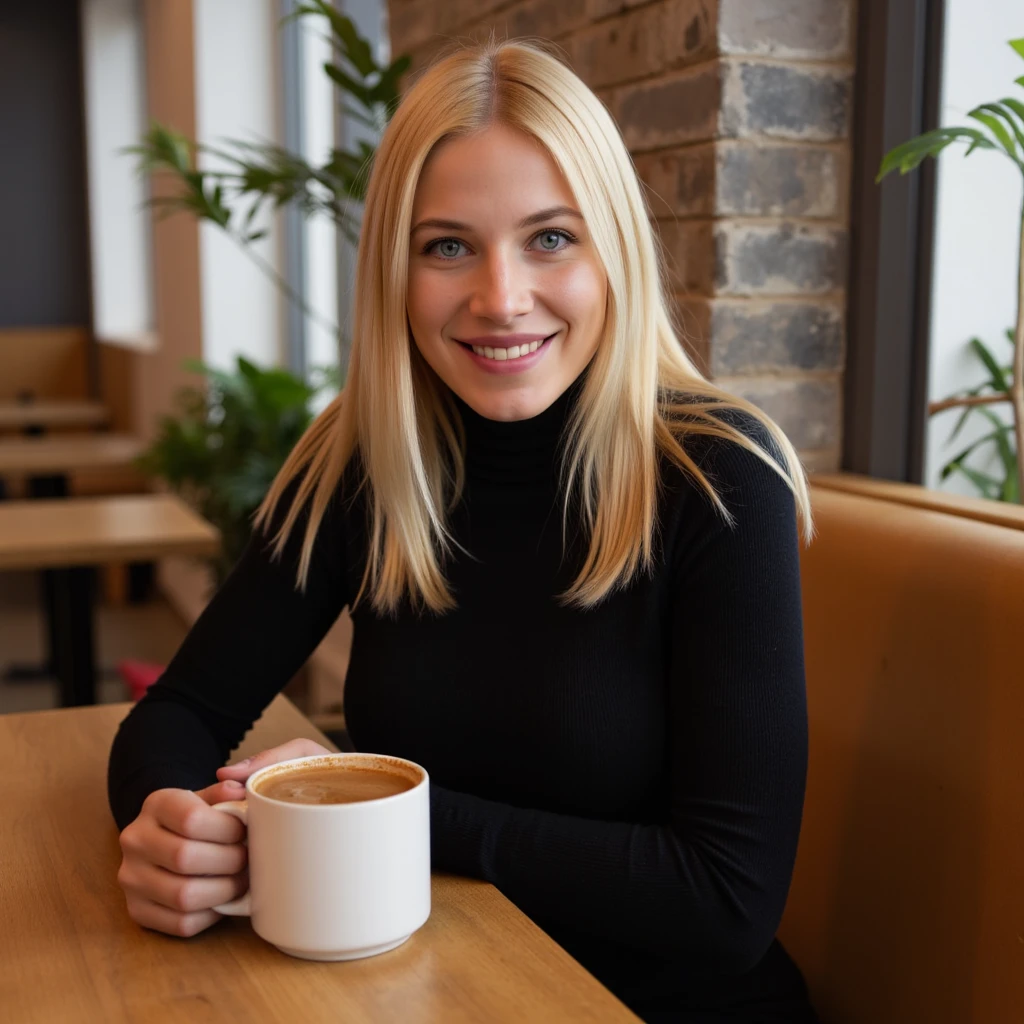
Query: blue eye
(450, 249)
(446, 248)
(550, 241)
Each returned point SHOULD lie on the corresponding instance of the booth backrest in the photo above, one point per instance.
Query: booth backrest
(46, 362)
(908, 898)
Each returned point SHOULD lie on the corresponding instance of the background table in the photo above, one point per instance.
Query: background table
(53, 412)
(54, 454)
(71, 535)
(69, 951)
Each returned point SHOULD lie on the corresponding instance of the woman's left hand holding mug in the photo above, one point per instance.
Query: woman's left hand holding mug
(241, 771)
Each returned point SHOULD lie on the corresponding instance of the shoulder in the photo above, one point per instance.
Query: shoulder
(744, 458)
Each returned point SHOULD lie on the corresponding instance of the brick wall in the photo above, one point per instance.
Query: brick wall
(737, 113)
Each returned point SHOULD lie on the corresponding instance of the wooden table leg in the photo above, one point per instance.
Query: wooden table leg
(73, 627)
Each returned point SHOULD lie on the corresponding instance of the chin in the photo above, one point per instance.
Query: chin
(508, 406)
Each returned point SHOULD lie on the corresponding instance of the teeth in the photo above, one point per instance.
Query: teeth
(503, 354)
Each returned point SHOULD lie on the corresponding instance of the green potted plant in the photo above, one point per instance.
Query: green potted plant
(255, 177)
(230, 437)
(1001, 130)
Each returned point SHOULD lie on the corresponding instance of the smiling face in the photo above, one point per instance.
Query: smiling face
(506, 294)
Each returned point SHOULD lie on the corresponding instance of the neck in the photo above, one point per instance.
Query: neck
(518, 451)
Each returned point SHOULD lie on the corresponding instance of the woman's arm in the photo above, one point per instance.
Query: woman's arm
(251, 639)
(709, 883)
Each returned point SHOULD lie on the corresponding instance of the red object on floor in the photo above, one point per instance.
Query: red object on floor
(139, 676)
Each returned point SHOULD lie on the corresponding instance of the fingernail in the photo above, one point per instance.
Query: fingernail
(240, 763)
(233, 783)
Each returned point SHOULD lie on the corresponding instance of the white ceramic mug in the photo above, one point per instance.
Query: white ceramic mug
(336, 881)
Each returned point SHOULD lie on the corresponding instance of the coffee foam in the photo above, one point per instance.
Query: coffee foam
(349, 761)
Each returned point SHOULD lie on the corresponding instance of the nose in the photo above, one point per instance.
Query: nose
(501, 289)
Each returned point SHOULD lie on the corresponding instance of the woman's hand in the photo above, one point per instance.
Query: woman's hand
(285, 752)
(181, 858)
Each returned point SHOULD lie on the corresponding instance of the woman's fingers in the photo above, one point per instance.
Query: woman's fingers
(172, 922)
(285, 752)
(172, 851)
(186, 894)
(188, 814)
(219, 792)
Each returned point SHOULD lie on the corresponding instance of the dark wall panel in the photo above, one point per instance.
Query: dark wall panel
(44, 266)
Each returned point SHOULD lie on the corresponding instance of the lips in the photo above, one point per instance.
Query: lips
(509, 353)
(504, 340)
(507, 347)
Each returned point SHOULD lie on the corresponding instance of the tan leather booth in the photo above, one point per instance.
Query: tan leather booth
(907, 903)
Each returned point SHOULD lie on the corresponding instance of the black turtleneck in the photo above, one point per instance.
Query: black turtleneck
(630, 775)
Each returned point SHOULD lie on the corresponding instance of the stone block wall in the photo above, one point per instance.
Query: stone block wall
(738, 117)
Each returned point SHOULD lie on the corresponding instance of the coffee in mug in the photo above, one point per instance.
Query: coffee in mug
(335, 783)
(339, 854)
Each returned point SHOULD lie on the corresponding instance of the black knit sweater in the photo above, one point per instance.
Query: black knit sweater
(630, 775)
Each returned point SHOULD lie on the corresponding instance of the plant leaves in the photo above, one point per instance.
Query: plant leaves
(1015, 105)
(998, 382)
(974, 445)
(354, 46)
(1004, 447)
(349, 84)
(994, 125)
(1006, 113)
(987, 485)
(907, 156)
(1018, 45)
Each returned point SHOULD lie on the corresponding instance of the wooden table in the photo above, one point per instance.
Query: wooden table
(69, 536)
(69, 951)
(54, 454)
(46, 413)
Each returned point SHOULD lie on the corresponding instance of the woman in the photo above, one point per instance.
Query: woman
(572, 565)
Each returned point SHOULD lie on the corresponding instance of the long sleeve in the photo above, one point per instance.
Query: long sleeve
(709, 883)
(257, 631)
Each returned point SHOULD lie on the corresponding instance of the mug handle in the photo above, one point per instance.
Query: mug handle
(242, 907)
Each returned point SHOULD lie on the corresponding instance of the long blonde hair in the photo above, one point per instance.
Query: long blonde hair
(641, 397)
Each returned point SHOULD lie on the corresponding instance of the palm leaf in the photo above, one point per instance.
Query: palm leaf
(967, 410)
(971, 449)
(1015, 105)
(987, 485)
(1001, 435)
(911, 154)
(349, 84)
(994, 125)
(1006, 113)
(999, 382)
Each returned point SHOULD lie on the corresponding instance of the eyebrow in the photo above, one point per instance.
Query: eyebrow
(535, 218)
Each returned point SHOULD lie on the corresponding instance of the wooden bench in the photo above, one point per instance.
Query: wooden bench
(907, 903)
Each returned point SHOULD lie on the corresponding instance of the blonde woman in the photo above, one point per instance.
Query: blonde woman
(571, 563)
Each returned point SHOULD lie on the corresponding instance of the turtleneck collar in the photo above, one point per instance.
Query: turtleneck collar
(518, 451)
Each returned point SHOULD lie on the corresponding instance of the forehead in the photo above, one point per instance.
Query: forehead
(498, 167)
